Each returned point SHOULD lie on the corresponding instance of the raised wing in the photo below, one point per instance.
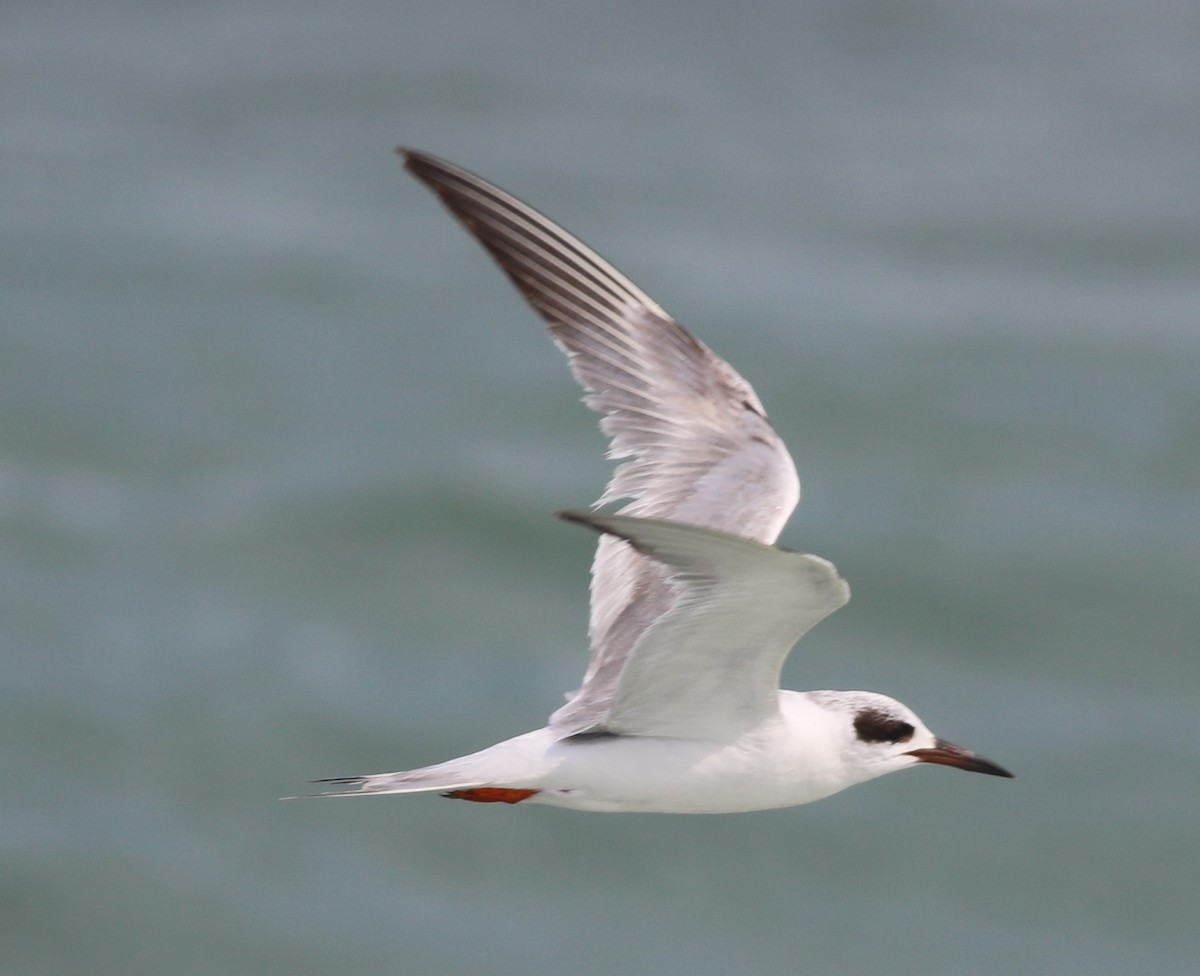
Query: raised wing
(696, 440)
(709, 667)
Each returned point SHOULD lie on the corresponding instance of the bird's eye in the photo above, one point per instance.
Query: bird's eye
(875, 726)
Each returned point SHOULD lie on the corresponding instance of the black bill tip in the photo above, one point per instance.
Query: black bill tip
(946, 753)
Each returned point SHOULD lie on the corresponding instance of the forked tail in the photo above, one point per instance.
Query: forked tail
(507, 772)
(443, 778)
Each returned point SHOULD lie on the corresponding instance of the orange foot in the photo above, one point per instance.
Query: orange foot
(491, 794)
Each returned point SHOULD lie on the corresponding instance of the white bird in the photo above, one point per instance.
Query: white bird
(693, 609)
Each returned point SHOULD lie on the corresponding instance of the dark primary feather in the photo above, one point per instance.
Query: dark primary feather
(697, 446)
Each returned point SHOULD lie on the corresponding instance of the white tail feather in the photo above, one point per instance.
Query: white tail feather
(452, 775)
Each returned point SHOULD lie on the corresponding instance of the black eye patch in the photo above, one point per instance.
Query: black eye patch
(873, 726)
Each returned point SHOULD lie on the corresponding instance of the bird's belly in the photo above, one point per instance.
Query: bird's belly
(651, 775)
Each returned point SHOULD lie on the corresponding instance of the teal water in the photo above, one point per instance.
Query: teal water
(278, 450)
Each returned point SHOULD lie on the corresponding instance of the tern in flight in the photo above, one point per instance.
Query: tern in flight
(693, 607)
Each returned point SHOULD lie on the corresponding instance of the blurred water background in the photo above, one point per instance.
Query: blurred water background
(279, 447)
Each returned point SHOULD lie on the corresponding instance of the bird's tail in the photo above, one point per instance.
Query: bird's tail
(506, 772)
(443, 778)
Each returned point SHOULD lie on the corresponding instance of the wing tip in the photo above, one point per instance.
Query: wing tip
(611, 525)
(419, 163)
(578, 516)
(589, 520)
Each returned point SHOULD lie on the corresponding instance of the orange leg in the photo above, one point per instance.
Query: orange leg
(491, 794)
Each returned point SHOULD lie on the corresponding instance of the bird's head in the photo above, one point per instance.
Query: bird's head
(881, 735)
